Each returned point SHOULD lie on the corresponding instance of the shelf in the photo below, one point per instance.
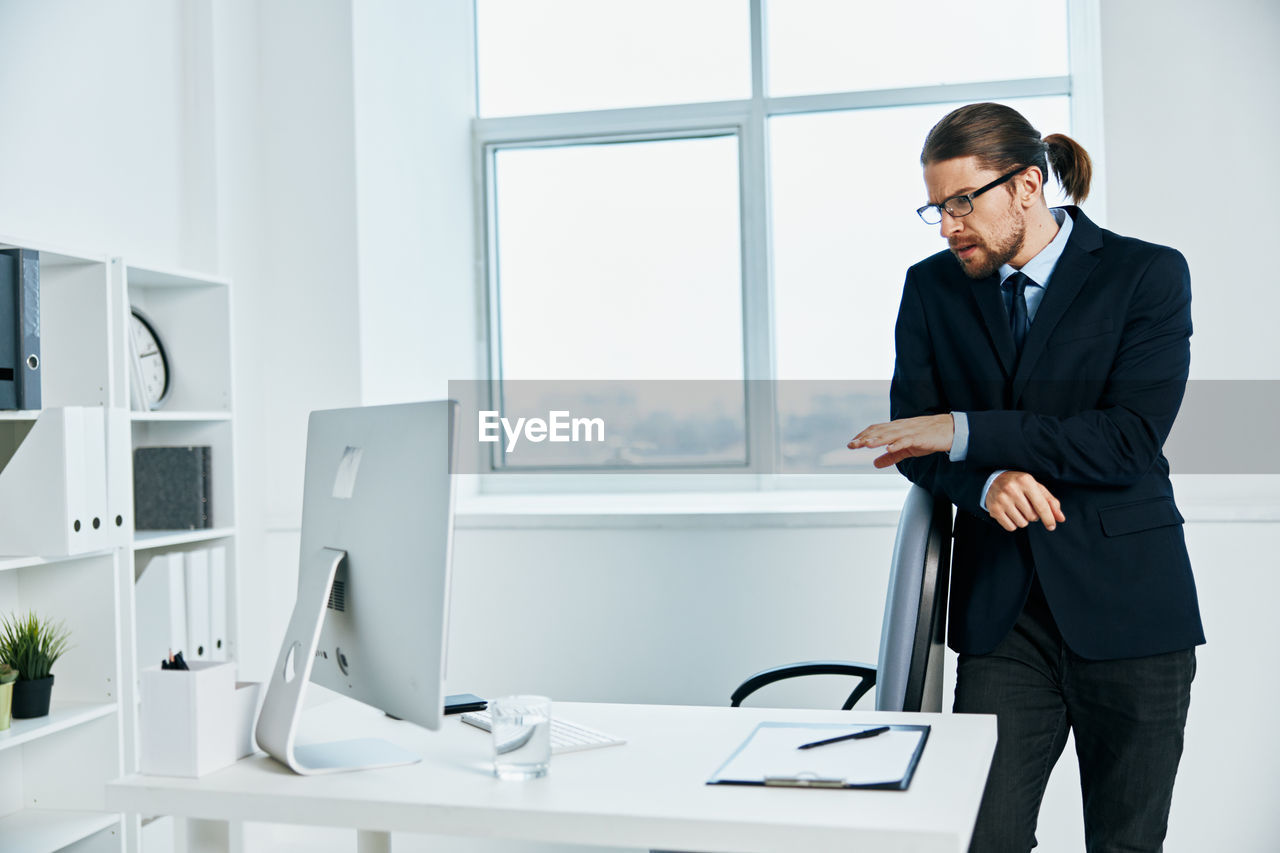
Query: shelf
(7, 563)
(54, 255)
(157, 277)
(146, 540)
(62, 716)
(55, 766)
(41, 830)
(180, 417)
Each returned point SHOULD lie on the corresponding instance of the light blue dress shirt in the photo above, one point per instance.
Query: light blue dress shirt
(1039, 270)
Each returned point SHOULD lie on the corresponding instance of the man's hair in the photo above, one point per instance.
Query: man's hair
(1002, 139)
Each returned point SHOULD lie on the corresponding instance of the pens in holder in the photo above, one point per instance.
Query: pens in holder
(862, 735)
(174, 661)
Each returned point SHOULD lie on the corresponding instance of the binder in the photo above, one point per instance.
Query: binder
(160, 602)
(77, 468)
(771, 756)
(52, 483)
(119, 461)
(218, 602)
(97, 528)
(19, 329)
(197, 575)
(171, 488)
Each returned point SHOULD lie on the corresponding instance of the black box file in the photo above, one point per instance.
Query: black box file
(171, 488)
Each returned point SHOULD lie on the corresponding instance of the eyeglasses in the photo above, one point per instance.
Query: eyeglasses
(960, 205)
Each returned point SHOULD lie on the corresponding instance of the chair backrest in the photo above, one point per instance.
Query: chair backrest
(913, 634)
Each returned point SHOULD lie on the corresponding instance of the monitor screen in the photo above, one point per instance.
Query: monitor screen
(371, 617)
(378, 486)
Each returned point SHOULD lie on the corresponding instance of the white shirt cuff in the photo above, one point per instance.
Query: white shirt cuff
(960, 442)
(987, 487)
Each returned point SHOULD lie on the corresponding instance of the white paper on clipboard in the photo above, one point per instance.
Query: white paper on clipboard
(772, 753)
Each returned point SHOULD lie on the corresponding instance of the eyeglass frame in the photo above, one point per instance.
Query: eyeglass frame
(969, 197)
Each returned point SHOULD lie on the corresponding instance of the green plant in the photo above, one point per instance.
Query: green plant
(32, 645)
(7, 673)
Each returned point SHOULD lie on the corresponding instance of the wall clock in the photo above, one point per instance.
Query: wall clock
(153, 375)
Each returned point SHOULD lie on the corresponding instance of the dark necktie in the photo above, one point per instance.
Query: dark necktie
(1016, 284)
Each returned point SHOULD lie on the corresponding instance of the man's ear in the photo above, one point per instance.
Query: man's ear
(1030, 184)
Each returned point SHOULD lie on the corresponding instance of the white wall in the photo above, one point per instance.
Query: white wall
(1190, 94)
(414, 97)
(94, 153)
(345, 204)
(284, 101)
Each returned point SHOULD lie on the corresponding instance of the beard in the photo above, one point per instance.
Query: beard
(992, 254)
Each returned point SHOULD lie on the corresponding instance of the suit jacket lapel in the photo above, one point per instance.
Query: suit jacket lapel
(986, 292)
(1069, 276)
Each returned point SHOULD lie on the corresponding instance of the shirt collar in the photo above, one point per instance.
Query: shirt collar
(1040, 268)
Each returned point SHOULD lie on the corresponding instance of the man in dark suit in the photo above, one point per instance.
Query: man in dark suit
(1041, 361)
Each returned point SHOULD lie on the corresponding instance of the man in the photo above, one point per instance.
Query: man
(1041, 361)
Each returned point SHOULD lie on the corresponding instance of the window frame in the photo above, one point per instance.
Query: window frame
(747, 119)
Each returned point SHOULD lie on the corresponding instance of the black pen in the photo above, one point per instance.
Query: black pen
(865, 733)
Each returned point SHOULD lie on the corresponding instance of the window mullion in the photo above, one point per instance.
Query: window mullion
(871, 99)
(757, 280)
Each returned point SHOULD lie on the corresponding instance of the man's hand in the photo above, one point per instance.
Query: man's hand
(907, 437)
(1016, 499)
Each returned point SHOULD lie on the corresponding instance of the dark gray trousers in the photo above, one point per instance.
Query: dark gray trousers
(1127, 716)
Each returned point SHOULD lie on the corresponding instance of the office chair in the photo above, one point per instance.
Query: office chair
(908, 674)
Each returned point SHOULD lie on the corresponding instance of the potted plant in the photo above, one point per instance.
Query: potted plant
(8, 675)
(32, 646)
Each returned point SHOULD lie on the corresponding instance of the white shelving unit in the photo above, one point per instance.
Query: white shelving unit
(54, 768)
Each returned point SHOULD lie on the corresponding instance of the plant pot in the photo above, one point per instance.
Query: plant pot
(6, 705)
(31, 698)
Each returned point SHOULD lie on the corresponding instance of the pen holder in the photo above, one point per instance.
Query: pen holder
(188, 719)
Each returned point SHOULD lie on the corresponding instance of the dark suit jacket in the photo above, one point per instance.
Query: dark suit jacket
(1085, 411)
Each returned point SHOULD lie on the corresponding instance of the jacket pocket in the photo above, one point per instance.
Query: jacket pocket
(1142, 515)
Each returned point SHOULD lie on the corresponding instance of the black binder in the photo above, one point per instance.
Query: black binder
(19, 329)
(171, 488)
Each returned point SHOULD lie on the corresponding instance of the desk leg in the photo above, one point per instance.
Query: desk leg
(207, 836)
(372, 841)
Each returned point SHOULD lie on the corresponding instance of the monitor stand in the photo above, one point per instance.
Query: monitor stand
(282, 706)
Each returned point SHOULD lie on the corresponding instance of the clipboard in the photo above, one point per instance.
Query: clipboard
(770, 756)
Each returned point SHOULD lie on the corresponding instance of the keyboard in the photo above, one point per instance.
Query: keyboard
(565, 736)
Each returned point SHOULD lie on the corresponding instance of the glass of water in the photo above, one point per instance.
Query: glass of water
(521, 736)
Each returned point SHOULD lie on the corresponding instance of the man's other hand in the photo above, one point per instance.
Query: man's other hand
(907, 437)
(1016, 499)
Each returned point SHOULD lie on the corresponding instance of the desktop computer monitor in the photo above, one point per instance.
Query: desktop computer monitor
(370, 619)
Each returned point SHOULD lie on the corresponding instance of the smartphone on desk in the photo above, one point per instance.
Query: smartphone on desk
(458, 703)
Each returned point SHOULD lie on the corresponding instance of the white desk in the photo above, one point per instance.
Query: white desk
(649, 793)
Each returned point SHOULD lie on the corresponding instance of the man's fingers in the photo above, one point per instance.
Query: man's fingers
(1008, 505)
(1042, 508)
(1017, 499)
(1022, 502)
(892, 458)
(885, 461)
(873, 436)
(1056, 506)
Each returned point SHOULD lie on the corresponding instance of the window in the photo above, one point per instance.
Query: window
(560, 56)
(619, 281)
(818, 46)
(705, 234)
